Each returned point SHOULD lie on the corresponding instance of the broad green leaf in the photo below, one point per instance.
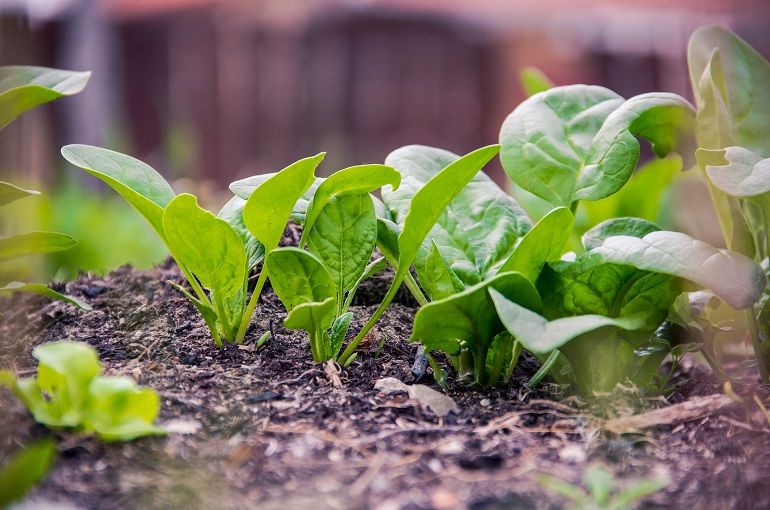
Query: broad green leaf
(544, 243)
(373, 268)
(634, 227)
(339, 331)
(232, 214)
(350, 181)
(743, 77)
(33, 243)
(207, 245)
(139, 184)
(42, 290)
(343, 236)
(24, 87)
(547, 138)
(10, 193)
(298, 277)
(579, 142)
(118, 410)
(316, 319)
(387, 239)
(541, 336)
(533, 81)
(733, 277)
(25, 469)
(245, 187)
(268, 208)
(477, 230)
(468, 319)
(437, 277)
(745, 174)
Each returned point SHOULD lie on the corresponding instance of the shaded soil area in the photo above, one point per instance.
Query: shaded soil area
(270, 429)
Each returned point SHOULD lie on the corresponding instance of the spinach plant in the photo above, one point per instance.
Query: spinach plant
(69, 392)
(729, 79)
(340, 231)
(24, 470)
(23, 88)
(214, 253)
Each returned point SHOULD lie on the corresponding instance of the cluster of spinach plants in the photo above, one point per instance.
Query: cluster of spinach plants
(69, 392)
(23, 88)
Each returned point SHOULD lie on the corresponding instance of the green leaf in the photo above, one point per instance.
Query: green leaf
(269, 206)
(42, 290)
(118, 410)
(541, 336)
(745, 175)
(634, 227)
(33, 243)
(245, 187)
(598, 481)
(299, 277)
(24, 470)
(437, 277)
(477, 229)
(206, 244)
(139, 184)
(733, 277)
(24, 87)
(10, 193)
(316, 319)
(533, 81)
(469, 319)
(339, 331)
(343, 237)
(742, 77)
(350, 181)
(579, 142)
(544, 243)
(232, 214)
(373, 268)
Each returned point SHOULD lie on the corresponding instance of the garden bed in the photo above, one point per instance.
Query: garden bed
(270, 428)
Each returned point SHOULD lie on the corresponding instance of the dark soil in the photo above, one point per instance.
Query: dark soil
(269, 429)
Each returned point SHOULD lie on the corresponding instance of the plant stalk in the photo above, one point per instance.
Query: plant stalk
(251, 306)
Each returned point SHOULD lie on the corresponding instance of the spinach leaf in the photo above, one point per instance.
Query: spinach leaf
(634, 227)
(232, 214)
(42, 290)
(316, 318)
(25, 469)
(533, 80)
(24, 87)
(33, 243)
(10, 193)
(299, 277)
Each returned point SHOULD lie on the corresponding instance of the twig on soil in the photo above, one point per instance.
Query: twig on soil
(694, 409)
(298, 378)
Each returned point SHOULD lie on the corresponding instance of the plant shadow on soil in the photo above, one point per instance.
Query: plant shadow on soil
(269, 429)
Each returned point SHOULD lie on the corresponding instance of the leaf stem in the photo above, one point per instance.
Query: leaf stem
(756, 343)
(251, 306)
(411, 284)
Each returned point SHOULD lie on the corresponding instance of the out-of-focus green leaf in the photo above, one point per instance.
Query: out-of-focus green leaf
(10, 193)
(42, 290)
(25, 469)
(533, 80)
(34, 243)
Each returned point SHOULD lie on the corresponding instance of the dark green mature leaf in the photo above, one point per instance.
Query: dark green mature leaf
(544, 243)
(138, 183)
(634, 227)
(299, 277)
(533, 80)
(350, 181)
(10, 193)
(206, 244)
(579, 142)
(741, 77)
(268, 208)
(343, 236)
(541, 336)
(25, 469)
(469, 319)
(34, 243)
(477, 230)
(118, 410)
(733, 277)
(42, 290)
(232, 214)
(745, 175)
(24, 87)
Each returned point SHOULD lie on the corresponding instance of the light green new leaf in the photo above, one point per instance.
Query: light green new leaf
(24, 470)
(269, 206)
(316, 319)
(118, 410)
(10, 193)
(232, 214)
(24, 87)
(339, 330)
(533, 80)
(33, 243)
(477, 230)
(742, 76)
(138, 183)
(733, 277)
(343, 236)
(42, 290)
(299, 277)
(544, 243)
(469, 319)
(745, 175)
(541, 336)
(206, 244)
(634, 227)
(354, 180)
